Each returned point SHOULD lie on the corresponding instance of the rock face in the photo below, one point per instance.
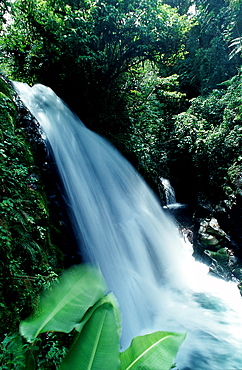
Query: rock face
(61, 231)
(216, 245)
(213, 245)
(211, 236)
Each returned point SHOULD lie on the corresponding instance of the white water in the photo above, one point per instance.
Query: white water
(122, 228)
(169, 191)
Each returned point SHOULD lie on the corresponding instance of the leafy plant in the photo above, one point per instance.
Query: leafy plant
(24, 218)
(155, 351)
(94, 45)
(12, 354)
(78, 301)
(216, 23)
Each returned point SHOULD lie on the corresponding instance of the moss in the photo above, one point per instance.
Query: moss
(5, 87)
(221, 256)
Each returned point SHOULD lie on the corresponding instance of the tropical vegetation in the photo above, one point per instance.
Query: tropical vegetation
(161, 80)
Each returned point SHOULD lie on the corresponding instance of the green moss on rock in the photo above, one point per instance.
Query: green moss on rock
(221, 256)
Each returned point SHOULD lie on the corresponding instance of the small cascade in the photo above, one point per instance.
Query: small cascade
(169, 191)
(179, 211)
(122, 228)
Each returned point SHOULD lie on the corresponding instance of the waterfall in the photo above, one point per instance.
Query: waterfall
(169, 191)
(122, 228)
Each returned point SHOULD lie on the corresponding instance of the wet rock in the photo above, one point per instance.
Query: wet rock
(209, 240)
(211, 236)
(220, 265)
(61, 231)
(213, 228)
(237, 272)
(220, 256)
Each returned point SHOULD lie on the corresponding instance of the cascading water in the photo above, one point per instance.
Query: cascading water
(169, 191)
(121, 227)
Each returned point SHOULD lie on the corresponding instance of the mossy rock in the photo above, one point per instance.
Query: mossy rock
(207, 240)
(237, 272)
(221, 256)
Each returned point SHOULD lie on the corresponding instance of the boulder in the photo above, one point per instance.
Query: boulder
(211, 236)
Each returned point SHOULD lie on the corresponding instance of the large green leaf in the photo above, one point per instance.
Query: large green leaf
(154, 351)
(97, 345)
(64, 305)
(111, 299)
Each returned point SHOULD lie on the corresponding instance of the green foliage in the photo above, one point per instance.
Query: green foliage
(62, 307)
(45, 353)
(83, 50)
(96, 345)
(25, 266)
(210, 134)
(207, 62)
(123, 67)
(182, 5)
(108, 36)
(157, 350)
(152, 102)
(12, 354)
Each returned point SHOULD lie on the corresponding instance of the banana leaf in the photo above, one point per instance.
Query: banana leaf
(97, 345)
(154, 351)
(64, 305)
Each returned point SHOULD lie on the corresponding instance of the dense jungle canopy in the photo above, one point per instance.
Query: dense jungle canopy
(161, 80)
(128, 69)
